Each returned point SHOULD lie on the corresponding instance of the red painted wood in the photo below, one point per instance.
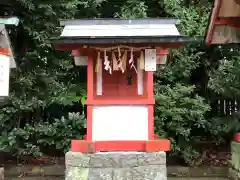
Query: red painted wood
(76, 53)
(237, 137)
(155, 137)
(231, 21)
(82, 146)
(89, 122)
(116, 146)
(80, 52)
(151, 122)
(125, 90)
(110, 84)
(70, 47)
(119, 101)
(89, 96)
(150, 95)
(90, 78)
(161, 51)
(212, 22)
(5, 51)
(158, 145)
(150, 85)
(115, 85)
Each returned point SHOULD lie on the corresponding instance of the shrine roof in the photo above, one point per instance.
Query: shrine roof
(124, 31)
(224, 24)
(122, 40)
(107, 21)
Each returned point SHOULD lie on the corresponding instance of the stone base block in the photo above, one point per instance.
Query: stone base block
(234, 174)
(235, 155)
(234, 170)
(1, 173)
(116, 166)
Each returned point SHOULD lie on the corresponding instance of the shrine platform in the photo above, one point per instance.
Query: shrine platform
(116, 166)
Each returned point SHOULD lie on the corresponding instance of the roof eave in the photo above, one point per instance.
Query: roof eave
(125, 40)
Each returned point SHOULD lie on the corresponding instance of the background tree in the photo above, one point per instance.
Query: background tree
(47, 87)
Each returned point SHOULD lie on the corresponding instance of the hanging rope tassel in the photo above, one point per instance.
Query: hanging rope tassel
(142, 61)
(114, 61)
(124, 61)
(119, 54)
(107, 63)
(133, 66)
(120, 61)
(98, 63)
(131, 57)
(110, 67)
(131, 61)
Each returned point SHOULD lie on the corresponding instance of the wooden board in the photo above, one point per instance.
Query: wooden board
(150, 60)
(229, 8)
(81, 60)
(225, 34)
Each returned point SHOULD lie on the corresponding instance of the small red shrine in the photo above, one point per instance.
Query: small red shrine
(224, 26)
(121, 57)
(7, 59)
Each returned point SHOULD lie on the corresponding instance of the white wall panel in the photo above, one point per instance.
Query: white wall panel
(4, 75)
(120, 122)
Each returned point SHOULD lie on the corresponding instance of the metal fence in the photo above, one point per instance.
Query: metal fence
(224, 107)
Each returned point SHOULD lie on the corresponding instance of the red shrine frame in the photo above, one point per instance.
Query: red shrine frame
(87, 145)
(153, 145)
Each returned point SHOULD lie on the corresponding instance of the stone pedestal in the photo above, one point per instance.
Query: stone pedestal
(116, 166)
(1, 173)
(234, 170)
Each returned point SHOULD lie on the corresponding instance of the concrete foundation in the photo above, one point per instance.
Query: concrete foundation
(116, 166)
(1, 173)
(234, 170)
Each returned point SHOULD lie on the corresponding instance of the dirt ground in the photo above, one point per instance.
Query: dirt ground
(61, 178)
(212, 156)
(209, 155)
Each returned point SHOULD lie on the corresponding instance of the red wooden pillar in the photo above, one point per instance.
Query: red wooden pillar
(150, 106)
(90, 74)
